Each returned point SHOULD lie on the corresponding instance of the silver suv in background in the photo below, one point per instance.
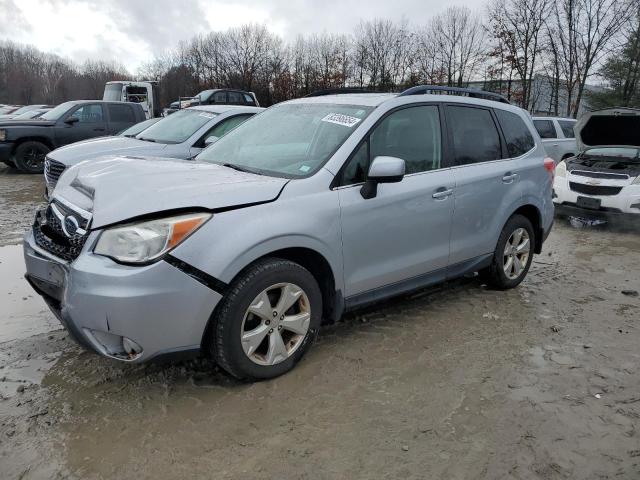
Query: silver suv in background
(314, 207)
(557, 136)
(183, 135)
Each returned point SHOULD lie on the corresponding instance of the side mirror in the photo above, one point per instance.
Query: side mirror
(210, 140)
(71, 120)
(382, 170)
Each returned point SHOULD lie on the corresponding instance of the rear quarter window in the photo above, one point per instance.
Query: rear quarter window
(545, 128)
(516, 134)
(567, 128)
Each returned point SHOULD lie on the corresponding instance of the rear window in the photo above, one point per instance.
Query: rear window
(567, 128)
(516, 134)
(121, 113)
(545, 128)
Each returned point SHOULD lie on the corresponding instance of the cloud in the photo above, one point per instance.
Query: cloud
(132, 31)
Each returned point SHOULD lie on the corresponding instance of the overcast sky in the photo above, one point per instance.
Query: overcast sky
(131, 31)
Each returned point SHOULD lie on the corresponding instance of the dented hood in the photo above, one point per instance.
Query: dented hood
(613, 127)
(114, 189)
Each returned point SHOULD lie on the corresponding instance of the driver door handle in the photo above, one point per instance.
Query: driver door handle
(442, 193)
(509, 177)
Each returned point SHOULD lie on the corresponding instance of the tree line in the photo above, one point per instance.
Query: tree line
(505, 48)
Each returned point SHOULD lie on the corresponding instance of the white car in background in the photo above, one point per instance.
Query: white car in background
(603, 180)
(557, 136)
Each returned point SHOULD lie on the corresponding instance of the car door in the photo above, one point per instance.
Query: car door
(485, 183)
(85, 121)
(567, 144)
(549, 136)
(400, 237)
(121, 117)
(221, 128)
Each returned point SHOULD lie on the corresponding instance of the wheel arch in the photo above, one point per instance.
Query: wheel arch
(32, 138)
(532, 213)
(309, 257)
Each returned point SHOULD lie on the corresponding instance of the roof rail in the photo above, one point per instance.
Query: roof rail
(339, 91)
(463, 92)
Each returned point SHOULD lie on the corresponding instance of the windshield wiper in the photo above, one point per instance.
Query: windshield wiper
(241, 169)
(146, 139)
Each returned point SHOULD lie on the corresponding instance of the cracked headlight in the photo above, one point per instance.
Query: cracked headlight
(146, 241)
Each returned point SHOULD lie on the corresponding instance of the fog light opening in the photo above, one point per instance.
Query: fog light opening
(115, 346)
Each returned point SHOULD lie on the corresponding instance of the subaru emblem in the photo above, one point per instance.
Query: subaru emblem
(70, 225)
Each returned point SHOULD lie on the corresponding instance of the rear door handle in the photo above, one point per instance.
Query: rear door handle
(442, 193)
(509, 177)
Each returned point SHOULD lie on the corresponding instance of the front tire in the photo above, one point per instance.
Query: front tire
(267, 321)
(513, 255)
(29, 156)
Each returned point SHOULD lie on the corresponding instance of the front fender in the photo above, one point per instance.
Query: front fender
(234, 239)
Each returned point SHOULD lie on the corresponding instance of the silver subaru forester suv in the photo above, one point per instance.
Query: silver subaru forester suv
(314, 207)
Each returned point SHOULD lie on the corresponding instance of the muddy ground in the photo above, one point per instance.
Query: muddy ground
(457, 382)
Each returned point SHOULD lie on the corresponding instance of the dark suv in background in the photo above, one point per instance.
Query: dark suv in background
(25, 143)
(217, 96)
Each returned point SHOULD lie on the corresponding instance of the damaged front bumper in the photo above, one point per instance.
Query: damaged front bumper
(130, 313)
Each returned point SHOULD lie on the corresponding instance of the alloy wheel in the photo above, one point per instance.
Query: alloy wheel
(516, 253)
(275, 324)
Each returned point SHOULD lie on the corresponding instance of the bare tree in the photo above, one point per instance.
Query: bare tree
(519, 24)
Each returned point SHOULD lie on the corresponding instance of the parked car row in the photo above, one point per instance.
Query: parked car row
(306, 210)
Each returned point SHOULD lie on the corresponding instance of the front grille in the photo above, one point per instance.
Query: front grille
(609, 176)
(50, 236)
(594, 189)
(52, 171)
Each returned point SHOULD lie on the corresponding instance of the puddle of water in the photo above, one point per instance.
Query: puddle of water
(23, 313)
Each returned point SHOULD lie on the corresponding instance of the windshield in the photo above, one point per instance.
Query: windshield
(24, 109)
(113, 92)
(178, 127)
(28, 115)
(56, 113)
(134, 130)
(4, 110)
(289, 140)
(614, 152)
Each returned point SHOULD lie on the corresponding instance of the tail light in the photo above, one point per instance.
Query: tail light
(550, 166)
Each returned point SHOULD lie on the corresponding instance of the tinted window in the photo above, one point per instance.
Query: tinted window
(567, 128)
(412, 134)
(516, 134)
(248, 99)
(474, 134)
(545, 128)
(91, 113)
(235, 98)
(220, 97)
(121, 113)
(223, 128)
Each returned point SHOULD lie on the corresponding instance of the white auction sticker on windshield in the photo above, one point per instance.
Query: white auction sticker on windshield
(340, 119)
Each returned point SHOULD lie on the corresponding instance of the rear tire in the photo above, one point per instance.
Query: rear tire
(29, 156)
(513, 255)
(255, 333)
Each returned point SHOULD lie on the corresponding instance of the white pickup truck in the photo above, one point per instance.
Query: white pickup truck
(145, 93)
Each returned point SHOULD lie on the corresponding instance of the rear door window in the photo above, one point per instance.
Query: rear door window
(220, 97)
(474, 135)
(235, 98)
(516, 134)
(567, 128)
(545, 128)
(121, 114)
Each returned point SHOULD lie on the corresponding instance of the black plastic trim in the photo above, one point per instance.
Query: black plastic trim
(204, 278)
